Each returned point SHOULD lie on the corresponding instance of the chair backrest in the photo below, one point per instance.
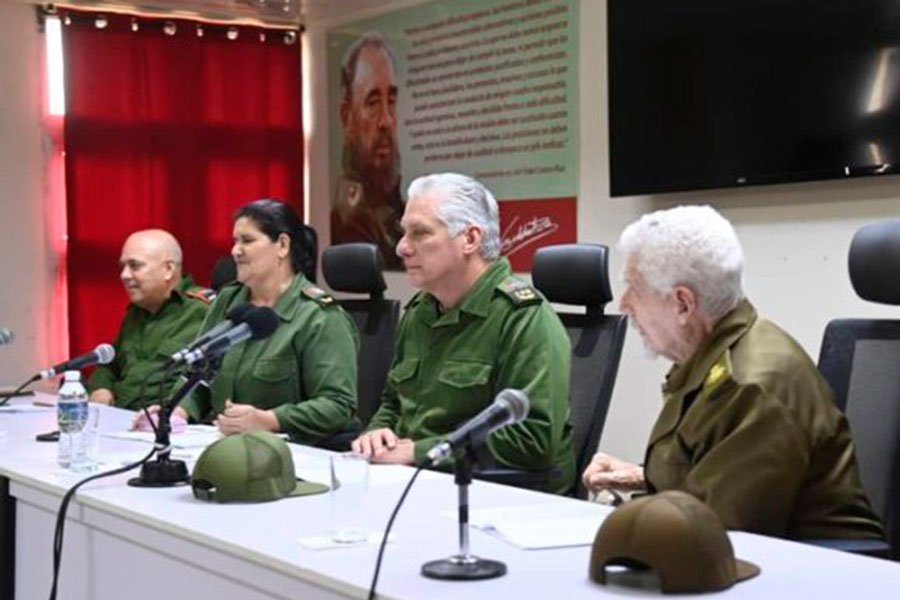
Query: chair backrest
(309, 241)
(860, 359)
(223, 273)
(357, 268)
(577, 274)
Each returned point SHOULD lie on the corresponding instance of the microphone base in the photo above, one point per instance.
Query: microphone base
(162, 473)
(463, 568)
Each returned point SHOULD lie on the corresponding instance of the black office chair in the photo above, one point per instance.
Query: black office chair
(860, 359)
(223, 273)
(578, 274)
(357, 268)
(309, 241)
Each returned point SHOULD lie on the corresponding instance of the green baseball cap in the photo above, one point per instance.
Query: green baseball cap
(677, 536)
(255, 466)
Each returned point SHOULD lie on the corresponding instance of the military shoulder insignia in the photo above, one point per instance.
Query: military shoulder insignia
(318, 295)
(719, 372)
(205, 295)
(520, 292)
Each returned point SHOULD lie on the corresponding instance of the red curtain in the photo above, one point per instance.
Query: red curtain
(171, 124)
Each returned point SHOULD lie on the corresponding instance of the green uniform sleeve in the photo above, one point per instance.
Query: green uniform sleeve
(749, 434)
(535, 357)
(327, 359)
(105, 376)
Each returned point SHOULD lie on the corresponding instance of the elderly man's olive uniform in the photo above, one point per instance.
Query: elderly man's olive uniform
(305, 372)
(449, 367)
(146, 340)
(750, 427)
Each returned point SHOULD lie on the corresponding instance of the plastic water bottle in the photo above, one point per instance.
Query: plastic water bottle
(71, 416)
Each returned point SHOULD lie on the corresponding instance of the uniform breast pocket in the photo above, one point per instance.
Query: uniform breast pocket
(466, 385)
(275, 381)
(403, 377)
(669, 464)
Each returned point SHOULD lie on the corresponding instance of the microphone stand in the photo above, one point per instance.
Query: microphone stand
(464, 565)
(165, 472)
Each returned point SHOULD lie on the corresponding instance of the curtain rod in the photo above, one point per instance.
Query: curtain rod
(161, 13)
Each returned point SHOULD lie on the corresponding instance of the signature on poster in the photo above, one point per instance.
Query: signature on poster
(516, 236)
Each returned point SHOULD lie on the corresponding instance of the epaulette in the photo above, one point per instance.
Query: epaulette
(520, 292)
(318, 295)
(718, 372)
(203, 294)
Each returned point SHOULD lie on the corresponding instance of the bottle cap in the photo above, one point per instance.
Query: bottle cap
(73, 376)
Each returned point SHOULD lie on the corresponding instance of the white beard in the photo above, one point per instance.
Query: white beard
(649, 353)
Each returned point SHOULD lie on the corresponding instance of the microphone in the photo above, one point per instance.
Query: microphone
(259, 322)
(235, 316)
(509, 407)
(101, 355)
(6, 336)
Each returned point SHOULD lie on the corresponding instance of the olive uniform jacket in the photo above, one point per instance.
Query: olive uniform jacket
(449, 367)
(750, 427)
(146, 341)
(305, 372)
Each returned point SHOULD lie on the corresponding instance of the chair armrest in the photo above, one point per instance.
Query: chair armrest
(876, 548)
(340, 442)
(518, 477)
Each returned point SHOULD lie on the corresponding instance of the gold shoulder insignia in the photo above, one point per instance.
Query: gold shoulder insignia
(520, 292)
(318, 295)
(719, 372)
(205, 295)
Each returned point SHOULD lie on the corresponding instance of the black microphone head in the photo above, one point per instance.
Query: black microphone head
(239, 313)
(517, 402)
(105, 354)
(262, 322)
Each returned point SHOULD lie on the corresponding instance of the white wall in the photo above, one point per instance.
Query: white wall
(27, 273)
(795, 236)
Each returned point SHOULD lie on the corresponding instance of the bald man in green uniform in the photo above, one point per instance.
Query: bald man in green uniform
(473, 330)
(748, 425)
(165, 314)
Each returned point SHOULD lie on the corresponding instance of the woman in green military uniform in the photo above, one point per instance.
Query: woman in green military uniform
(302, 379)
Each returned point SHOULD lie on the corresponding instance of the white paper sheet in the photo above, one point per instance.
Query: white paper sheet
(195, 436)
(537, 526)
(324, 542)
(25, 408)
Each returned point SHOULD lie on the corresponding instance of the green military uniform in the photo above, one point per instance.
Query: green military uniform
(146, 340)
(305, 372)
(750, 427)
(450, 366)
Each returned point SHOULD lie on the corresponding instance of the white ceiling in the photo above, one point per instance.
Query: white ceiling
(298, 12)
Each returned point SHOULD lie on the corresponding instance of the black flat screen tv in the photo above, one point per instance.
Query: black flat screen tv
(721, 93)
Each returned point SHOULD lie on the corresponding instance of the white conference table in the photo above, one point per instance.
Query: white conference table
(132, 543)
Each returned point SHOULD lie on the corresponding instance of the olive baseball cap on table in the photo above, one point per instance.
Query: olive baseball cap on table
(249, 467)
(677, 536)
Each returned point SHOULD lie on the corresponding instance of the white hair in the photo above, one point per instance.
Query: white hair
(465, 203)
(688, 245)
